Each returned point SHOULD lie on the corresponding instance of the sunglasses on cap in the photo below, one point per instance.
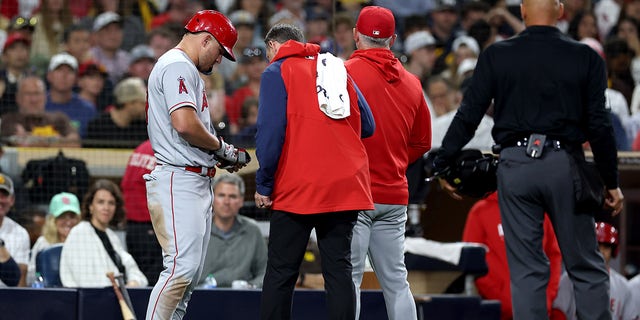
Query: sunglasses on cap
(22, 22)
(252, 52)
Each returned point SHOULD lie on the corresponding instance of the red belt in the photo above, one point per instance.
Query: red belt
(203, 171)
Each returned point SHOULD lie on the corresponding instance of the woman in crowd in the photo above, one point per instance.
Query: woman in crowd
(92, 249)
(64, 214)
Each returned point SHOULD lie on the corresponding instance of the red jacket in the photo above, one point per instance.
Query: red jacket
(309, 163)
(134, 190)
(403, 123)
(485, 226)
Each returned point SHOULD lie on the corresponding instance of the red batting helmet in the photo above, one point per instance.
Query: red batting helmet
(218, 26)
(607, 234)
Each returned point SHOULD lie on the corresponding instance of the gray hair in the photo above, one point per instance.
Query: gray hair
(282, 32)
(376, 42)
(230, 179)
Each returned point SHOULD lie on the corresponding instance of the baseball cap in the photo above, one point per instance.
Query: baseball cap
(13, 38)
(242, 17)
(417, 40)
(64, 202)
(63, 59)
(142, 51)
(252, 52)
(445, 5)
(105, 19)
(376, 22)
(468, 41)
(91, 67)
(6, 183)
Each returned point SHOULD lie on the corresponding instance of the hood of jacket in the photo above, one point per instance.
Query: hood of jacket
(293, 48)
(383, 60)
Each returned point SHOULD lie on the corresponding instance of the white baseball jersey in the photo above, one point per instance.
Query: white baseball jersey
(175, 83)
(634, 286)
(620, 304)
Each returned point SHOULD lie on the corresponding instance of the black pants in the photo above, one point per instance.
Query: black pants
(143, 245)
(288, 237)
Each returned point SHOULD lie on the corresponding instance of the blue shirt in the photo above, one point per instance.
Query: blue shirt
(78, 110)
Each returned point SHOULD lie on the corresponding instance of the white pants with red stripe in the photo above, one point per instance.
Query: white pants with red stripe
(180, 206)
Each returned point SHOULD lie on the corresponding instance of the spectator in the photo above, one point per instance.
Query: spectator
(92, 249)
(621, 302)
(217, 99)
(142, 62)
(15, 58)
(131, 21)
(32, 125)
(420, 48)
(141, 239)
(261, 10)
(444, 18)
(178, 11)
(53, 18)
(343, 35)
(583, 25)
(92, 78)
(463, 47)
(64, 214)
(163, 38)
(14, 238)
(107, 28)
(253, 62)
(618, 59)
(125, 124)
(248, 123)
(234, 74)
(62, 78)
(473, 11)
(445, 100)
(77, 42)
(484, 226)
(628, 28)
(318, 25)
(9, 269)
(32, 219)
(237, 250)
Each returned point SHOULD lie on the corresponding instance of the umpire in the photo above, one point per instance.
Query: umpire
(545, 84)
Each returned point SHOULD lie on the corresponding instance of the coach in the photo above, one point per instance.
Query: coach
(548, 93)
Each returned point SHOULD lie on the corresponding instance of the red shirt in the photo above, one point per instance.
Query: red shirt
(485, 226)
(133, 186)
(403, 123)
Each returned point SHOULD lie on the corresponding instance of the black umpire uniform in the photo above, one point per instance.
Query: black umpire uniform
(542, 82)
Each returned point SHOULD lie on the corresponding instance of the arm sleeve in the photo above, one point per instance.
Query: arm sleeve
(179, 85)
(474, 105)
(10, 273)
(420, 137)
(367, 123)
(272, 123)
(598, 124)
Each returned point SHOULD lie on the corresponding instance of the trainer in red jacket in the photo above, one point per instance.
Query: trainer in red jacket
(485, 226)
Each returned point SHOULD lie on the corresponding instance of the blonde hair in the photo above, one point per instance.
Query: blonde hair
(49, 230)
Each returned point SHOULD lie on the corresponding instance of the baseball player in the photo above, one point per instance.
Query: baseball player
(187, 151)
(621, 303)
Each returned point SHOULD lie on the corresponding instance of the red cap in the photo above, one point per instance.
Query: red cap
(376, 22)
(15, 37)
(91, 66)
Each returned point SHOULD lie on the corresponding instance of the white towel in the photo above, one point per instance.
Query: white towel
(331, 86)
(449, 252)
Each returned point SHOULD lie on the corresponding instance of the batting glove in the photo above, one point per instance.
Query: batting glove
(226, 152)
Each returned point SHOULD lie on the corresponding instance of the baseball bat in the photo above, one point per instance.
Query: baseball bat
(127, 314)
(123, 290)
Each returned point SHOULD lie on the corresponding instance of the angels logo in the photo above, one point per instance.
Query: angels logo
(182, 88)
(205, 103)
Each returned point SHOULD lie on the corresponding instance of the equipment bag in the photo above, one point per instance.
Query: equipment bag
(44, 178)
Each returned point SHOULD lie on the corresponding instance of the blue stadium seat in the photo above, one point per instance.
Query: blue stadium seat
(48, 264)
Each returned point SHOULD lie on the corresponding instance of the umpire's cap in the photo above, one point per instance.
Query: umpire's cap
(472, 173)
(219, 26)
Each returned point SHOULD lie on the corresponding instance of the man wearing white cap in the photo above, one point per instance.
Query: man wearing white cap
(420, 47)
(61, 77)
(14, 239)
(109, 36)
